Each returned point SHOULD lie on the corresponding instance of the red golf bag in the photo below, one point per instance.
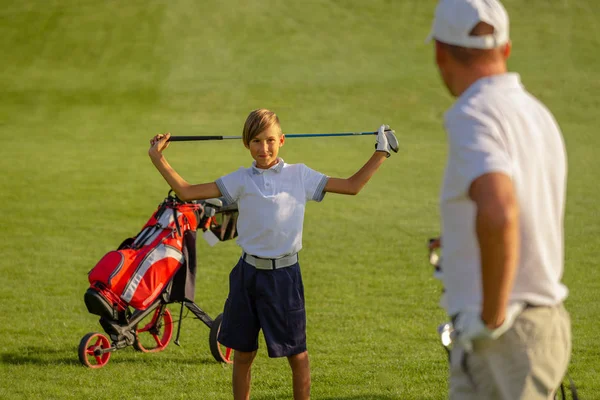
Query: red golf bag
(142, 266)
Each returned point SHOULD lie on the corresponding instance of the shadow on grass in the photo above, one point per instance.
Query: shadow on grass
(44, 356)
(38, 355)
(362, 397)
(179, 360)
(354, 397)
(157, 362)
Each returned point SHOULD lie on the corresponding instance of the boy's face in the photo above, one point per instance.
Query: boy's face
(264, 147)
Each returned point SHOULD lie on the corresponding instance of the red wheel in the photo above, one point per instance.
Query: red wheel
(220, 353)
(92, 352)
(155, 334)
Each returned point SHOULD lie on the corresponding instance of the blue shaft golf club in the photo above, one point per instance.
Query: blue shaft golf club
(287, 135)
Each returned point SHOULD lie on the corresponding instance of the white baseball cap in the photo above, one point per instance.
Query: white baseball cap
(454, 20)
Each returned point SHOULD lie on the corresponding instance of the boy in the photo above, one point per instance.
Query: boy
(265, 287)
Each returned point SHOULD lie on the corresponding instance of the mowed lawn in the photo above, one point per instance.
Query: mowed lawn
(85, 84)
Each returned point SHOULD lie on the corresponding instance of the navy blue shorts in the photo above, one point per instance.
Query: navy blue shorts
(271, 300)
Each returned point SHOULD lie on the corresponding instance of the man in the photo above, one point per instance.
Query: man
(502, 207)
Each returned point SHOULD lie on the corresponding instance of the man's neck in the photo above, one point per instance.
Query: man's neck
(473, 73)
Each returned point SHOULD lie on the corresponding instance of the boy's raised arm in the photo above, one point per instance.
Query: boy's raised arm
(386, 143)
(182, 188)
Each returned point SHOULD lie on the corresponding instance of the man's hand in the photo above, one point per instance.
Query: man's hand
(157, 144)
(469, 326)
(386, 140)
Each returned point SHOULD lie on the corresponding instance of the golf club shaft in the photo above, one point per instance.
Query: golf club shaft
(289, 135)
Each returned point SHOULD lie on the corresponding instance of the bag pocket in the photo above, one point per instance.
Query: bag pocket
(111, 267)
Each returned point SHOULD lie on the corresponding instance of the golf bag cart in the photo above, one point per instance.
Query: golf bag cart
(131, 287)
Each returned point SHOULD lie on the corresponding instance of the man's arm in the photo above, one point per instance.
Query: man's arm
(356, 182)
(497, 229)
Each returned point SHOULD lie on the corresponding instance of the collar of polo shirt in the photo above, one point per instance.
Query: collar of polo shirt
(275, 168)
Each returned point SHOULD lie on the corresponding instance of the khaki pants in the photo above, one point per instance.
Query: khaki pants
(528, 362)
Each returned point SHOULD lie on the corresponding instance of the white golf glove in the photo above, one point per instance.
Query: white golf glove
(468, 326)
(386, 140)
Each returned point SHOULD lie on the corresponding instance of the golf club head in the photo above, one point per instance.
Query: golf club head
(217, 202)
(392, 140)
(434, 246)
(209, 211)
(446, 332)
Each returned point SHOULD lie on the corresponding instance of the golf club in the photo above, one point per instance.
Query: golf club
(289, 135)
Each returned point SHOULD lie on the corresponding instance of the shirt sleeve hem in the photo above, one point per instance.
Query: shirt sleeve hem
(224, 191)
(320, 191)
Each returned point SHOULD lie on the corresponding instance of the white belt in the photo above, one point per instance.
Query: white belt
(270, 263)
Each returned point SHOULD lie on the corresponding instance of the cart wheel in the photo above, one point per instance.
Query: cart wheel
(220, 353)
(154, 335)
(90, 348)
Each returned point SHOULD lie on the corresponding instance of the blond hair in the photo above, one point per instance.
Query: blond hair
(258, 121)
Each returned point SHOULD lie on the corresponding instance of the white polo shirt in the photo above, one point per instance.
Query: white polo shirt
(497, 126)
(271, 204)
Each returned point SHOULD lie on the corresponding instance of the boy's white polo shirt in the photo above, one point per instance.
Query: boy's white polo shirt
(271, 204)
(497, 126)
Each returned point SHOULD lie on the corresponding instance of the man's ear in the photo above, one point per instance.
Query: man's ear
(440, 54)
(506, 50)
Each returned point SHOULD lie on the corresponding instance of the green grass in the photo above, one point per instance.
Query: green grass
(85, 84)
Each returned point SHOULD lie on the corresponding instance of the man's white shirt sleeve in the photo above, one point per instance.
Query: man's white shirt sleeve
(476, 148)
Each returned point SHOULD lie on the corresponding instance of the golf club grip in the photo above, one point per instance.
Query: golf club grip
(191, 138)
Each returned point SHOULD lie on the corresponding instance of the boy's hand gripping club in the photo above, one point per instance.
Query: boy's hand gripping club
(386, 140)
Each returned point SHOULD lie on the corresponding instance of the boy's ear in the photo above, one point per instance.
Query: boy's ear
(281, 140)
